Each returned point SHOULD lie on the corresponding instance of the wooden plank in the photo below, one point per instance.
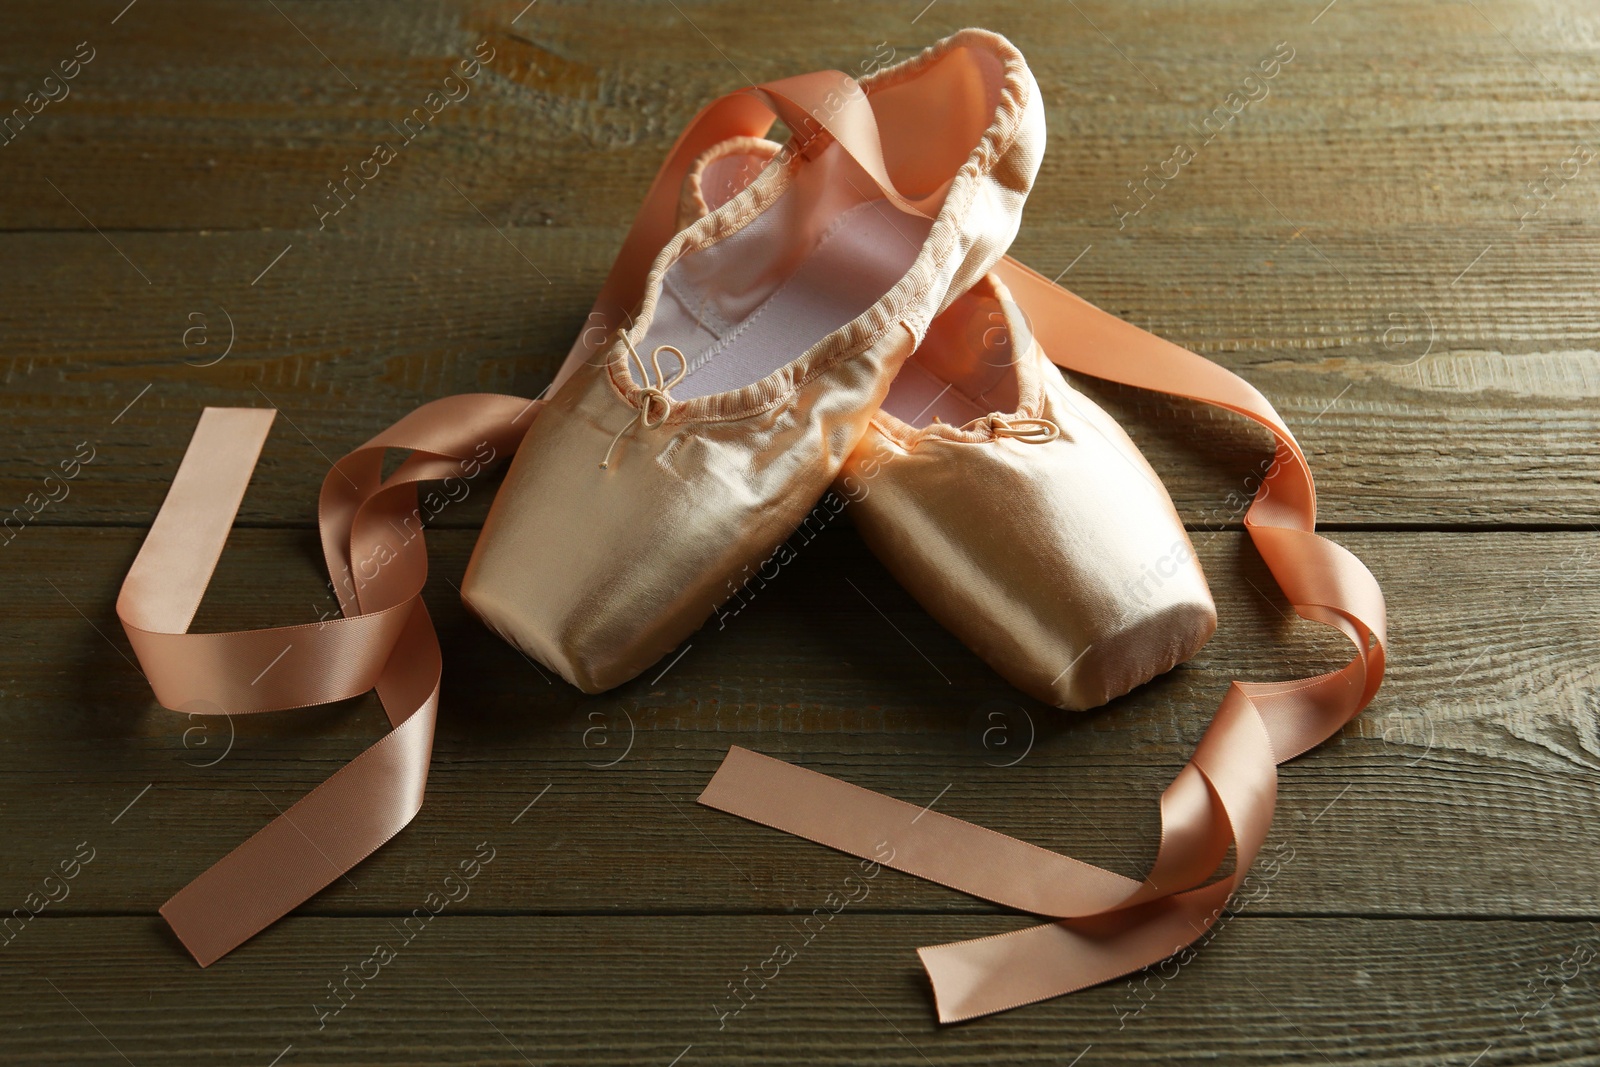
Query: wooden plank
(1368, 329)
(1362, 245)
(348, 334)
(644, 990)
(165, 130)
(1481, 743)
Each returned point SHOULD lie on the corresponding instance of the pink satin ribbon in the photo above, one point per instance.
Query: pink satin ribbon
(1109, 925)
(385, 641)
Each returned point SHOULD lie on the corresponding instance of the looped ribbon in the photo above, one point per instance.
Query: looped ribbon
(651, 393)
(1104, 925)
(385, 639)
(1107, 925)
(1025, 429)
(372, 542)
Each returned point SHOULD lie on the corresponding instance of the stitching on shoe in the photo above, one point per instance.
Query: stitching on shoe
(700, 311)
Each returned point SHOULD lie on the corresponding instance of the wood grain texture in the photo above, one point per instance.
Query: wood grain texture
(1406, 319)
(1363, 131)
(1363, 244)
(1481, 743)
(346, 335)
(642, 990)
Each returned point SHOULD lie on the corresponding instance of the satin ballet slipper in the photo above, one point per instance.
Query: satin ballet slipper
(683, 449)
(1021, 516)
(1014, 509)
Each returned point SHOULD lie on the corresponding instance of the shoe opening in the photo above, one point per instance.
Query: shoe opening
(830, 245)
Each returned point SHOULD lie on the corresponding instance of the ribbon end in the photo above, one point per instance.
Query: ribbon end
(191, 939)
(940, 1006)
(715, 794)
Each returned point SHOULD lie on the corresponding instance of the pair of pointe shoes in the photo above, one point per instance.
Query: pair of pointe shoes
(825, 315)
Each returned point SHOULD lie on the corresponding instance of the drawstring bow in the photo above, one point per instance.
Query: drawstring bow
(655, 399)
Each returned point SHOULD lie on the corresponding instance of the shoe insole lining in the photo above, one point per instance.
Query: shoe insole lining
(862, 255)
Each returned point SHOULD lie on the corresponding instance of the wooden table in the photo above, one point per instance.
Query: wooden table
(1361, 242)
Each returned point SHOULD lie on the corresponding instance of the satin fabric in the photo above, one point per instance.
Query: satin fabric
(1108, 925)
(598, 572)
(1104, 925)
(1062, 562)
(385, 641)
(819, 108)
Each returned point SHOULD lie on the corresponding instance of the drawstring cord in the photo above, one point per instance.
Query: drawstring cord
(1023, 428)
(649, 415)
(1028, 430)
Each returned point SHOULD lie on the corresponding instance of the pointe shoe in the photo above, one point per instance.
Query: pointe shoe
(1023, 518)
(1011, 506)
(682, 450)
